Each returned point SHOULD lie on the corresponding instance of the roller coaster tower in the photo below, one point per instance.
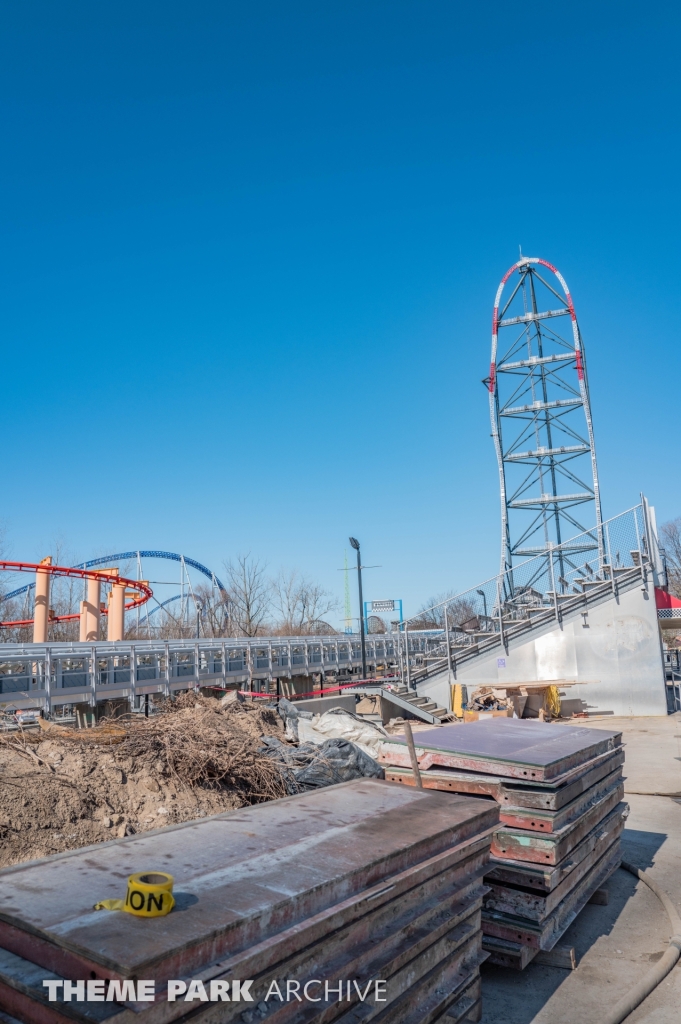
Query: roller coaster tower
(541, 420)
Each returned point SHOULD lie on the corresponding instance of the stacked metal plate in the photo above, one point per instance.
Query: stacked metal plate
(560, 794)
(359, 902)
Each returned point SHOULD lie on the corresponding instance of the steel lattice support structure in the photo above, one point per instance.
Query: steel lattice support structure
(541, 420)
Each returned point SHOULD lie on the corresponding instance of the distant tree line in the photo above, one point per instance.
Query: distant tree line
(461, 613)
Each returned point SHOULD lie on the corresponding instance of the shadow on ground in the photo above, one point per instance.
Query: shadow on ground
(634, 921)
(639, 847)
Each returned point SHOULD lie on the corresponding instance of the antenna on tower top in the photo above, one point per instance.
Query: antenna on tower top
(520, 251)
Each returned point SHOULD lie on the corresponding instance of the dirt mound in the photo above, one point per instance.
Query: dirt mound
(197, 757)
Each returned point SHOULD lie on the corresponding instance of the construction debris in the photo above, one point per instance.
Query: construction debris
(341, 724)
(65, 788)
(519, 700)
(312, 765)
(560, 795)
(375, 889)
(291, 716)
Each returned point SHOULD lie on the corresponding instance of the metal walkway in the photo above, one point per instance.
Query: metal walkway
(524, 599)
(434, 659)
(504, 611)
(49, 675)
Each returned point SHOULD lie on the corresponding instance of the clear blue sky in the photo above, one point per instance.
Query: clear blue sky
(249, 252)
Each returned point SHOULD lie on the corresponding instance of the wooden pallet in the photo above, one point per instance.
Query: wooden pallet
(503, 953)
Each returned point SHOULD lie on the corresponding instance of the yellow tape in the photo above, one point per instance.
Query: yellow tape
(150, 894)
(552, 700)
(457, 700)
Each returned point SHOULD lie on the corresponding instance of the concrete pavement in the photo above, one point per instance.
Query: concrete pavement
(616, 944)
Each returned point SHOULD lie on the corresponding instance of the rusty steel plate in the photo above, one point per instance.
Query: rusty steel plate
(553, 821)
(240, 877)
(545, 934)
(393, 933)
(510, 794)
(530, 818)
(468, 1006)
(401, 955)
(551, 848)
(511, 747)
(446, 780)
(536, 906)
(545, 878)
(578, 782)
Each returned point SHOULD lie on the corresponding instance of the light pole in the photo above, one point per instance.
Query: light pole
(199, 608)
(355, 544)
(484, 600)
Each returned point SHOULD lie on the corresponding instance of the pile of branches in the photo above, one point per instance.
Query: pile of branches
(201, 743)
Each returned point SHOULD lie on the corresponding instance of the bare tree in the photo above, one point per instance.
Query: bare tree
(214, 610)
(431, 615)
(299, 602)
(671, 541)
(249, 594)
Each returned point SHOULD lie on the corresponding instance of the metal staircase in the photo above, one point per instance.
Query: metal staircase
(419, 705)
(406, 699)
(586, 591)
(523, 600)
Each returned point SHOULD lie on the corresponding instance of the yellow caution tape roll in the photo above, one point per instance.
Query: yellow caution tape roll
(149, 895)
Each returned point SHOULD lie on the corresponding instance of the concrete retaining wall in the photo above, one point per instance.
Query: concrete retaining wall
(318, 705)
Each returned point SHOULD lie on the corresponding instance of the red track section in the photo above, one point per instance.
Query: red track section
(144, 591)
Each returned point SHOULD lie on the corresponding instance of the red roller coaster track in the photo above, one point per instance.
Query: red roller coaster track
(144, 591)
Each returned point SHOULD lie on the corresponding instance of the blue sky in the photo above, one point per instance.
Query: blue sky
(249, 253)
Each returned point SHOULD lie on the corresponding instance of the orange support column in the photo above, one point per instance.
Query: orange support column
(41, 610)
(82, 635)
(94, 596)
(116, 612)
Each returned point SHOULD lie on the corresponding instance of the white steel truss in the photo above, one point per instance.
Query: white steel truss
(541, 420)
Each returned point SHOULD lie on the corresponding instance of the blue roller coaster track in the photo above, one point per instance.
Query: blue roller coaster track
(125, 555)
(148, 613)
